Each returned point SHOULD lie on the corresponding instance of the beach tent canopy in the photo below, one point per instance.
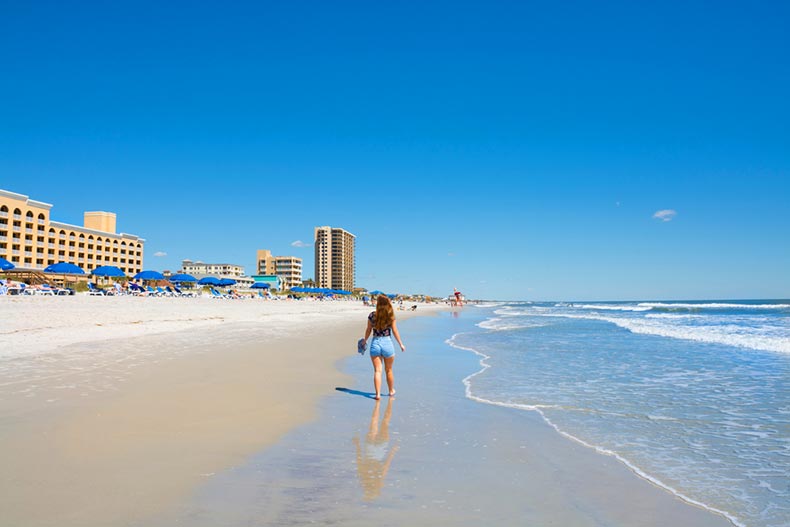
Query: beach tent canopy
(149, 275)
(108, 270)
(5, 265)
(208, 280)
(183, 277)
(260, 285)
(226, 281)
(64, 268)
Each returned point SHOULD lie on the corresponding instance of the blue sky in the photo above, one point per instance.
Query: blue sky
(515, 150)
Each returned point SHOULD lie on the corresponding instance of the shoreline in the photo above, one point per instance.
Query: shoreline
(597, 449)
(447, 459)
(159, 424)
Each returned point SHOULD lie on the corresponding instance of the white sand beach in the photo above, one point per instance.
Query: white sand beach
(113, 407)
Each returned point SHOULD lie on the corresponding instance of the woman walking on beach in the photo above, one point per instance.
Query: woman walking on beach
(381, 323)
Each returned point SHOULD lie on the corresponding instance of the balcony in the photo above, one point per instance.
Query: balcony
(42, 221)
(17, 216)
(16, 228)
(3, 214)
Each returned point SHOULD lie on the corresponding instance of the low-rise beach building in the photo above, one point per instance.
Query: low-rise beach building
(287, 268)
(200, 270)
(30, 239)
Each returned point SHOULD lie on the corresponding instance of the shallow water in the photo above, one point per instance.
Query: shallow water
(693, 395)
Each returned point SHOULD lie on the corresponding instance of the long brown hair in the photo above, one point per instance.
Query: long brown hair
(385, 315)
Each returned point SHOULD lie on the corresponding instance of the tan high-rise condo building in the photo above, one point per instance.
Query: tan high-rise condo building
(287, 268)
(334, 258)
(29, 239)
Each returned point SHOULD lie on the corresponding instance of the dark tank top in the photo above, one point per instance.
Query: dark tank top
(386, 332)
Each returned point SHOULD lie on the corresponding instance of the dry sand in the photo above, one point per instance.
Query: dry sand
(113, 408)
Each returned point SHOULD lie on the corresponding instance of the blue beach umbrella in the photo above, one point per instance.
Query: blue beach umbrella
(5, 265)
(183, 277)
(259, 285)
(149, 275)
(208, 280)
(226, 282)
(64, 268)
(108, 270)
(376, 292)
(298, 289)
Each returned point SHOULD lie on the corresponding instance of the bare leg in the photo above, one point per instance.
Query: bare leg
(390, 376)
(377, 375)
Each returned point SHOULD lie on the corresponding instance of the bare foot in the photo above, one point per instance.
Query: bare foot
(377, 397)
(392, 393)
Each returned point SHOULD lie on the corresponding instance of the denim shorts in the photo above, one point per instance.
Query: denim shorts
(382, 347)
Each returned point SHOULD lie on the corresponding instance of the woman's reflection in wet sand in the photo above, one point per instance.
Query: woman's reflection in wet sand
(375, 455)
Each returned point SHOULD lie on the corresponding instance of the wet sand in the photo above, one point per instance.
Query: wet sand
(429, 456)
(97, 432)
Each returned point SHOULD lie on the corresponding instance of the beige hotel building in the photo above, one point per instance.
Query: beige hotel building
(29, 239)
(334, 258)
(287, 268)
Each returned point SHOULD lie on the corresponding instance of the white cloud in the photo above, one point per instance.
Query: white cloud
(160, 253)
(665, 215)
(300, 243)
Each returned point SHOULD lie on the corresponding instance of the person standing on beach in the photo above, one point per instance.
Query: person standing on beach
(381, 323)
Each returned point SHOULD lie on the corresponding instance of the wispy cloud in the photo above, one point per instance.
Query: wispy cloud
(300, 243)
(160, 253)
(665, 215)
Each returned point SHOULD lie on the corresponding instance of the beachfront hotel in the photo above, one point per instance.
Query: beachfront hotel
(31, 240)
(287, 268)
(334, 258)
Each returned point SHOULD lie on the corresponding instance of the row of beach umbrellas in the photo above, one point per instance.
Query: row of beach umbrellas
(113, 271)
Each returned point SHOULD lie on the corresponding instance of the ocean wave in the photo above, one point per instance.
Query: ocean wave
(682, 305)
(507, 324)
(608, 307)
(730, 335)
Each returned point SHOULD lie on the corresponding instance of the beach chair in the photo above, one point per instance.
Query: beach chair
(151, 291)
(216, 294)
(45, 289)
(94, 291)
(162, 292)
(179, 292)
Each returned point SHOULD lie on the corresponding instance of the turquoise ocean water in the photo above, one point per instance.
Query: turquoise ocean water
(694, 396)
